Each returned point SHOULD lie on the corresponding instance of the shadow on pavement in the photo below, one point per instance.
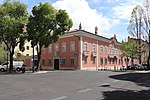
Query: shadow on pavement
(141, 79)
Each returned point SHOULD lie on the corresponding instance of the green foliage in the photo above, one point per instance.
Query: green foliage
(46, 24)
(130, 49)
(3, 54)
(13, 17)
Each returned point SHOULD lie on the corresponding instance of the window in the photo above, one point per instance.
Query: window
(105, 51)
(119, 61)
(112, 50)
(49, 61)
(101, 61)
(63, 60)
(105, 61)
(27, 47)
(116, 51)
(72, 46)
(43, 61)
(85, 46)
(57, 46)
(113, 61)
(72, 61)
(64, 47)
(50, 48)
(94, 59)
(94, 47)
(101, 49)
(43, 49)
(85, 60)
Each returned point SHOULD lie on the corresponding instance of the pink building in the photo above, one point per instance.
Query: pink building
(82, 50)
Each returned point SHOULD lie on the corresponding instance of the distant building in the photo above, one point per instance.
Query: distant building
(144, 49)
(28, 49)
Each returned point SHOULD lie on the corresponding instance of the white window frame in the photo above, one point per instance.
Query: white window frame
(50, 48)
(63, 46)
(72, 46)
(85, 48)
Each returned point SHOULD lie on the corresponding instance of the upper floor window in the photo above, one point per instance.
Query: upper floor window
(85, 46)
(112, 50)
(105, 50)
(64, 47)
(72, 46)
(94, 47)
(56, 46)
(50, 48)
(27, 47)
(43, 49)
(101, 49)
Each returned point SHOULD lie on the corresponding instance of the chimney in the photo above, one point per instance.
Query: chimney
(96, 30)
(114, 35)
(80, 26)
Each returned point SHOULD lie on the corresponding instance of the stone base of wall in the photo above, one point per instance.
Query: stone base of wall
(109, 68)
(89, 68)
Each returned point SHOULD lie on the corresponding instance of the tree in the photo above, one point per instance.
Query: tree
(13, 17)
(135, 24)
(3, 54)
(146, 17)
(130, 50)
(140, 24)
(45, 26)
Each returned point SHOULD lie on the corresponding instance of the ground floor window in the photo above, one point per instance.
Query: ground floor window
(72, 61)
(49, 61)
(85, 60)
(101, 61)
(43, 61)
(94, 59)
(105, 61)
(63, 60)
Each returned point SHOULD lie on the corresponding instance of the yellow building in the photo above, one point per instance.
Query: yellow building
(28, 49)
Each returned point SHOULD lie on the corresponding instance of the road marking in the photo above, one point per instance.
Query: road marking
(116, 81)
(84, 90)
(104, 85)
(60, 98)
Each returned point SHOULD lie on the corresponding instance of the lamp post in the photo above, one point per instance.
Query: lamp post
(33, 61)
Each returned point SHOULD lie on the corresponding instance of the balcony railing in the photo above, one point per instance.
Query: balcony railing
(94, 54)
(86, 53)
(112, 55)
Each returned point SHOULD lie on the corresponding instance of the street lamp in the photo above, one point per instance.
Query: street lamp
(33, 61)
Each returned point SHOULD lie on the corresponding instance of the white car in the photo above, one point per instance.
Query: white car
(17, 66)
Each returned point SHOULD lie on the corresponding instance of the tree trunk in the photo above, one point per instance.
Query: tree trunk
(11, 61)
(132, 61)
(148, 60)
(39, 57)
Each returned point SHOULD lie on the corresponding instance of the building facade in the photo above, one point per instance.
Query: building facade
(82, 50)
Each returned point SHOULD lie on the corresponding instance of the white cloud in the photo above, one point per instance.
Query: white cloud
(124, 9)
(80, 11)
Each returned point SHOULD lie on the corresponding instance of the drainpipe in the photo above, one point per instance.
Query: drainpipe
(97, 56)
(80, 51)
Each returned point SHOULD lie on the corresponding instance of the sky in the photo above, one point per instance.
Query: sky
(110, 16)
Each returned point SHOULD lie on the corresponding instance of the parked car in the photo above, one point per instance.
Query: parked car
(145, 66)
(17, 66)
